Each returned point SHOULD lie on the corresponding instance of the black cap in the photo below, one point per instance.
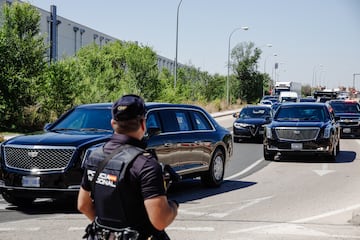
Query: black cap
(128, 107)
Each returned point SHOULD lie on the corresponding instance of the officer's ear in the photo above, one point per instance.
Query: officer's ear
(143, 124)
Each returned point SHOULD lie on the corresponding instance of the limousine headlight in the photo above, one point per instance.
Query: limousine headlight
(327, 131)
(268, 132)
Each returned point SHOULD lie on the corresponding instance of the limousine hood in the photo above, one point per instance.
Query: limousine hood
(68, 138)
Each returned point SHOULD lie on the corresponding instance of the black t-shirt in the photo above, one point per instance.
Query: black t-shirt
(142, 181)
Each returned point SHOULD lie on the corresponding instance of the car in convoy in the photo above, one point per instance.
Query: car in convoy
(349, 113)
(266, 102)
(250, 121)
(302, 128)
(307, 99)
(49, 164)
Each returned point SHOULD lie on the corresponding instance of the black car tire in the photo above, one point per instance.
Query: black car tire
(215, 175)
(17, 201)
(267, 155)
(338, 147)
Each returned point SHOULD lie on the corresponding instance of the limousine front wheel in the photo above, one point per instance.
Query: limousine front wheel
(215, 175)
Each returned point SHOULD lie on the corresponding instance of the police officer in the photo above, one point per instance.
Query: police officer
(130, 191)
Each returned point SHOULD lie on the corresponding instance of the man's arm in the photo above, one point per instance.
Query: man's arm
(85, 204)
(161, 211)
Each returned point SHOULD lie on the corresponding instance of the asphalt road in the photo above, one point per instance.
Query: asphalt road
(302, 198)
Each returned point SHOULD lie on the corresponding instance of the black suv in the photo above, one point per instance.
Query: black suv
(349, 113)
(49, 164)
(302, 128)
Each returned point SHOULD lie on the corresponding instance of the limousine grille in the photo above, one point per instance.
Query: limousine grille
(39, 158)
(297, 134)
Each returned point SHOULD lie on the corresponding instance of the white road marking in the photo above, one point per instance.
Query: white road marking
(248, 203)
(194, 229)
(289, 228)
(245, 170)
(76, 228)
(324, 170)
(7, 229)
(243, 204)
(341, 210)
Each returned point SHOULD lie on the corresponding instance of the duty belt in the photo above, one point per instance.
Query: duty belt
(96, 231)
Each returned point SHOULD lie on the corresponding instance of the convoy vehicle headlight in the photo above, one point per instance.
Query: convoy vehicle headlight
(241, 125)
(268, 132)
(327, 131)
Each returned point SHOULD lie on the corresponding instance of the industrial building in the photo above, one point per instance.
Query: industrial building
(66, 37)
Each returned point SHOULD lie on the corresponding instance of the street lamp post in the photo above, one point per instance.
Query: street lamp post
(176, 51)
(271, 85)
(314, 74)
(273, 55)
(228, 67)
(354, 79)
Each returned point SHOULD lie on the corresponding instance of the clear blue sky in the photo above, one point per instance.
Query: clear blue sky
(308, 36)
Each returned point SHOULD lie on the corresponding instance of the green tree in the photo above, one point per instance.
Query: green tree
(21, 62)
(306, 90)
(247, 84)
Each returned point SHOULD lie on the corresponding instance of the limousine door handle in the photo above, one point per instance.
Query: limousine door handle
(168, 144)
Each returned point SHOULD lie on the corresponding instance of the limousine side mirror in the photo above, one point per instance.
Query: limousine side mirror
(236, 115)
(268, 119)
(47, 126)
(152, 131)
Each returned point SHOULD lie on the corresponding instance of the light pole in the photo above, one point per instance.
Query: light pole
(228, 67)
(354, 80)
(314, 73)
(176, 51)
(273, 55)
(271, 80)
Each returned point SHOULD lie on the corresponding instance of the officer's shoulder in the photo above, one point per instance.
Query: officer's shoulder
(147, 154)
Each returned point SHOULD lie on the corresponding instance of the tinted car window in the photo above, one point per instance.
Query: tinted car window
(152, 121)
(305, 113)
(182, 121)
(82, 118)
(255, 113)
(346, 107)
(200, 121)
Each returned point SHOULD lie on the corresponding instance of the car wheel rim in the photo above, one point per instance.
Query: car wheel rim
(218, 167)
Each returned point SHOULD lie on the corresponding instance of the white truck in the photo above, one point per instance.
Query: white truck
(288, 96)
(287, 87)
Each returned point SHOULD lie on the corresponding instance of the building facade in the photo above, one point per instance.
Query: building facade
(65, 37)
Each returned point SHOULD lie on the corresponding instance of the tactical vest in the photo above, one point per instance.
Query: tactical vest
(108, 197)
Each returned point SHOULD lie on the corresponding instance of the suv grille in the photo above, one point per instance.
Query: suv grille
(349, 122)
(297, 134)
(41, 158)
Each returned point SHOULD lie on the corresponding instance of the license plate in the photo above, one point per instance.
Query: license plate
(29, 181)
(346, 130)
(296, 146)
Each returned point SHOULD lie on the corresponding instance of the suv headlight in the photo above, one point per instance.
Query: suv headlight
(241, 125)
(327, 131)
(268, 132)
